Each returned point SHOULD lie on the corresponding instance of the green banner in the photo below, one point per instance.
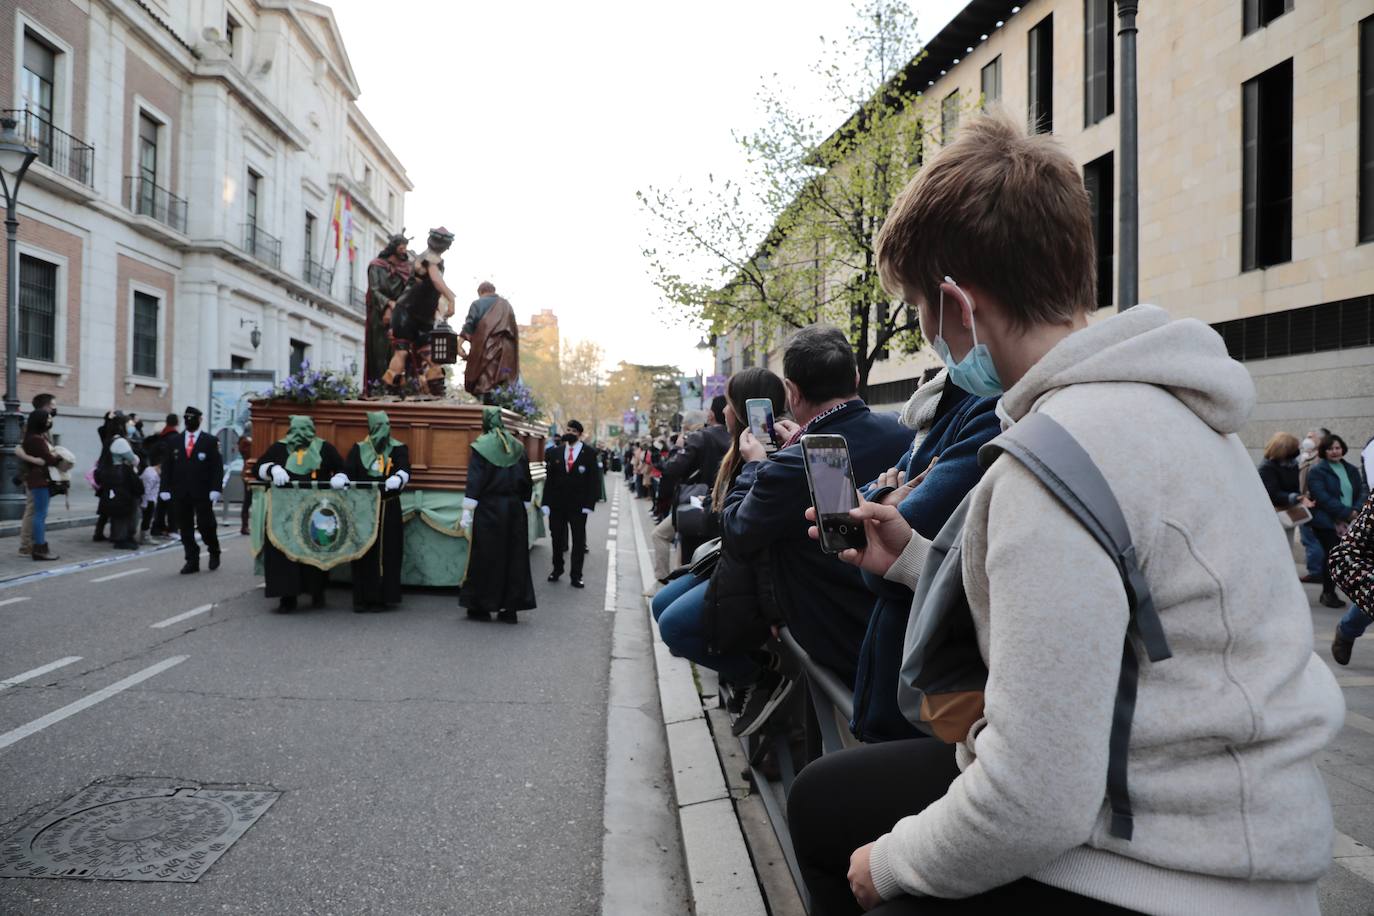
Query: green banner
(324, 527)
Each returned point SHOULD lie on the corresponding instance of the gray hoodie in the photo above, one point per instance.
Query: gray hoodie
(1231, 815)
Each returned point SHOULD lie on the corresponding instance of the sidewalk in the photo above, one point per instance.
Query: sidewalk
(74, 510)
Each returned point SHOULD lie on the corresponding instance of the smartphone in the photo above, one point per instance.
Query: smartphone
(831, 479)
(760, 412)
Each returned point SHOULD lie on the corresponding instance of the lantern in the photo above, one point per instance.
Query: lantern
(443, 345)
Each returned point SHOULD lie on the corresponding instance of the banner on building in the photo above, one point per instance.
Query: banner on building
(323, 527)
(715, 385)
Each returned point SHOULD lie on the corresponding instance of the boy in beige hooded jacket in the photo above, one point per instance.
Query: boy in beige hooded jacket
(1231, 815)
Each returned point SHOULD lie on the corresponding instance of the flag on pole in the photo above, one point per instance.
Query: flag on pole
(336, 223)
(348, 242)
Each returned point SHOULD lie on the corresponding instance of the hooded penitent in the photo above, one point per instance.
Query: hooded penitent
(375, 450)
(303, 448)
(496, 444)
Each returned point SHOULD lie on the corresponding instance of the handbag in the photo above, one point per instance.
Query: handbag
(1293, 516)
(690, 509)
(705, 558)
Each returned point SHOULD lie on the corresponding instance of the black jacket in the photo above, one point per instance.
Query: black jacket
(571, 492)
(199, 475)
(1281, 482)
(701, 456)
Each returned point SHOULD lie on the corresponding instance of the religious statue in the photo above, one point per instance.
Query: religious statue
(387, 276)
(493, 344)
(413, 317)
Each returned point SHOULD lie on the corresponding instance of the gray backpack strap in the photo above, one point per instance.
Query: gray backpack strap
(1056, 459)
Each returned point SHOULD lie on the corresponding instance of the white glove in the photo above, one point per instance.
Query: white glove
(214, 496)
(279, 476)
(466, 520)
(545, 510)
(165, 497)
(394, 482)
(586, 511)
(527, 506)
(339, 481)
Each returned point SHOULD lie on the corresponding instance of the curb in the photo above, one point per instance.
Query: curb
(720, 872)
(11, 529)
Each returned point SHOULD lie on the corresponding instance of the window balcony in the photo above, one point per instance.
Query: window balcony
(258, 244)
(318, 276)
(57, 149)
(357, 298)
(148, 199)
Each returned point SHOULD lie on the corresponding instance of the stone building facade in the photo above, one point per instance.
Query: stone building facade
(190, 156)
(1256, 138)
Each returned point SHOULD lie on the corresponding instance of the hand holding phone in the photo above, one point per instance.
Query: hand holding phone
(760, 412)
(833, 494)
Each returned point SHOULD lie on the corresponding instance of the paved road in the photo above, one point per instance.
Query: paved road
(429, 764)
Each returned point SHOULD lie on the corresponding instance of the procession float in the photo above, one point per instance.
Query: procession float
(409, 344)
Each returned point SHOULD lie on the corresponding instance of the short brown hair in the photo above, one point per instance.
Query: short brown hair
(485, 287)
(1282, 447)
(1002, 210)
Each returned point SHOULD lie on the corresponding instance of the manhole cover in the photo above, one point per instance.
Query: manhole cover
(133, 833)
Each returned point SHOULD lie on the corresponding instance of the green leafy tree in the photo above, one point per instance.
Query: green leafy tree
(792, 243)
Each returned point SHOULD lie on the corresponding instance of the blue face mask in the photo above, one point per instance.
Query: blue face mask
(975, 373)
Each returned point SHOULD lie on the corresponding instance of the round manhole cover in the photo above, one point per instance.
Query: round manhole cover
(133, 834)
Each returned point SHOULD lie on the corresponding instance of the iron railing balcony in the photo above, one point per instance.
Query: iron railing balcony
(357, 298)
(318, 276)
(57, 149)
(266, 248)
(145, 198)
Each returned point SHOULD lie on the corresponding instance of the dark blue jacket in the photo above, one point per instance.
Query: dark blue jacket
(824, 601)
(1325, 488)
(960, 428)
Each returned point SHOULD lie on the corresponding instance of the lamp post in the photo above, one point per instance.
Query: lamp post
(1128, 292)
(636, 413)
(15, 158)
(255, 336)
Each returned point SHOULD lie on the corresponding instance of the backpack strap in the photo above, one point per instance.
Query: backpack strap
(1056, 459)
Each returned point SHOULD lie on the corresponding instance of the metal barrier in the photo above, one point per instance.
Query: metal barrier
(806, 728)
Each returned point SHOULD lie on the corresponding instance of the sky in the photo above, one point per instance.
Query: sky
(527, 129)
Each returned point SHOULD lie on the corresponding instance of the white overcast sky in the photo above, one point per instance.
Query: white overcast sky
(526, 129)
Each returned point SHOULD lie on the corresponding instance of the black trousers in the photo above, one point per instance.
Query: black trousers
(193, 514)
(1328, 538)
(162, 516)
(561, 521)
(847, 799)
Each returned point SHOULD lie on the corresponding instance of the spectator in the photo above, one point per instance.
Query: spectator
(40, 402)
(680, 607)
(164, 517)
(1282, 476)
(1352, 568)
(1338, 491)
(36, 433)
(1313, 553)
(824, 603)
(705, 442)
(121, 492)
(112, 426)
(245, 448)
(951, 425)
(1230, 812)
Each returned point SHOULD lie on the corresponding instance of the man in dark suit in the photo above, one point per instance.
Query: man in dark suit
(572, 487)
(192, 473)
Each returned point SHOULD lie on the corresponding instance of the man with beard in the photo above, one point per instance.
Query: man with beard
(387, 275)
(412, 319)
(191, 473)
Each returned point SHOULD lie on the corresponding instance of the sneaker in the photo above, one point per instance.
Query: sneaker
(1329, 599)
(1340, 648)
(760, 699)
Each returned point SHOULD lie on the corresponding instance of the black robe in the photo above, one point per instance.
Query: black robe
(498, 576)
(287, 578)
(377, 576)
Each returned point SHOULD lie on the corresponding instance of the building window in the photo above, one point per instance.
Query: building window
(300, 352)
(1367, 130)
(727, 366)
(992, 81)
(1341, 325)
(145, 335)
(310, 236)
(238, 363)
(147, 165)
(1100, 179)
(367, 179)
(949, 117)
(747, 357)
(254, 186)
(916, 156)
(391, 205)
(1040, 77)
(36, 93)
(1099, 60)
(231, 29)
(1267, 168)
(1259, 13)
(37, 309)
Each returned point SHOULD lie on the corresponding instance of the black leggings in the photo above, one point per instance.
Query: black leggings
(847, 799)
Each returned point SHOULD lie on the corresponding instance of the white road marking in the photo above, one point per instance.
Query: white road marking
(121, 575)
(86, 702)
(12, 601)
(180, 617)
(39, 672)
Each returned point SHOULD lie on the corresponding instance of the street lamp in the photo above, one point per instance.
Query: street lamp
(256, 335)
(15, 158)
(636, 398)
(1129, 255)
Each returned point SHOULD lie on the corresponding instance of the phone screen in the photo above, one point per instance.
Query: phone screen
(761, 421)
(832, 479)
